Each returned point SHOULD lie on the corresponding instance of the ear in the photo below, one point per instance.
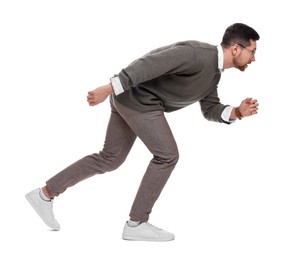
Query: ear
(235, 49)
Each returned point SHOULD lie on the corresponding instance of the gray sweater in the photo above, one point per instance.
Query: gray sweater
(172, 77)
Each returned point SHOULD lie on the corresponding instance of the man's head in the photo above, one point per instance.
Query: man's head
(240, 39)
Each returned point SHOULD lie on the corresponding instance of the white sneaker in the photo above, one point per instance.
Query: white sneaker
(146, 232)
(43, 208)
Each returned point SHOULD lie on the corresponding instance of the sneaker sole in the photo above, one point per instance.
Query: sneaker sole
(132, 238)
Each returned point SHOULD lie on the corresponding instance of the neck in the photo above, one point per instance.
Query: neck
(227, 58)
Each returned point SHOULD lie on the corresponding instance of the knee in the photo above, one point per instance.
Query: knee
(111, 160)
(174, 157)
(170, 158)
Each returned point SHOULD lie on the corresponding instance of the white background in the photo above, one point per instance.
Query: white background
(223, 201)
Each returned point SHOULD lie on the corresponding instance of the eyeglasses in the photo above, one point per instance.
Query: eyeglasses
(253, 52)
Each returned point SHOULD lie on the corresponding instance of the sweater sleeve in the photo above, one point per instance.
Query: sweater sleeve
(212, 108)
(164, 61)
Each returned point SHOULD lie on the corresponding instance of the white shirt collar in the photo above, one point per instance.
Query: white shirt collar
(220, 58)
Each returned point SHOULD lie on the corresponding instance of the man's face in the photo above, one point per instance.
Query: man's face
(245, 55)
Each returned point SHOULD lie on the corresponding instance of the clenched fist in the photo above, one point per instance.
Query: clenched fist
(99, 94)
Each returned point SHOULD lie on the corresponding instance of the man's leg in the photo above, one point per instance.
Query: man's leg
(118, 142)
(152, 128)
(161, 143)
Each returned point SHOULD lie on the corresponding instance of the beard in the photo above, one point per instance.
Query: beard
(239, 65)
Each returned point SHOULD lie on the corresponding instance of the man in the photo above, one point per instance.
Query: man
(164, 80)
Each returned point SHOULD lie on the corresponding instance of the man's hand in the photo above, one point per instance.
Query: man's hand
(99, 94)
(248, 107)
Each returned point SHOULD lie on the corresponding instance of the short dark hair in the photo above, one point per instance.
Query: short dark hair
(239, 33)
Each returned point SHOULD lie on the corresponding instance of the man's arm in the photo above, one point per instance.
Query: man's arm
(168, 60)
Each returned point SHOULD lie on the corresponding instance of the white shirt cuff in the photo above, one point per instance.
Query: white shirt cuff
(225, 115)
(118, 89)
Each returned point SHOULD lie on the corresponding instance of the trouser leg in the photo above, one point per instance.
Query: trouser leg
(152, 128)
(118, 142)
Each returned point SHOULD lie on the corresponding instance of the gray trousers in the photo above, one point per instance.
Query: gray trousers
(123, 128)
